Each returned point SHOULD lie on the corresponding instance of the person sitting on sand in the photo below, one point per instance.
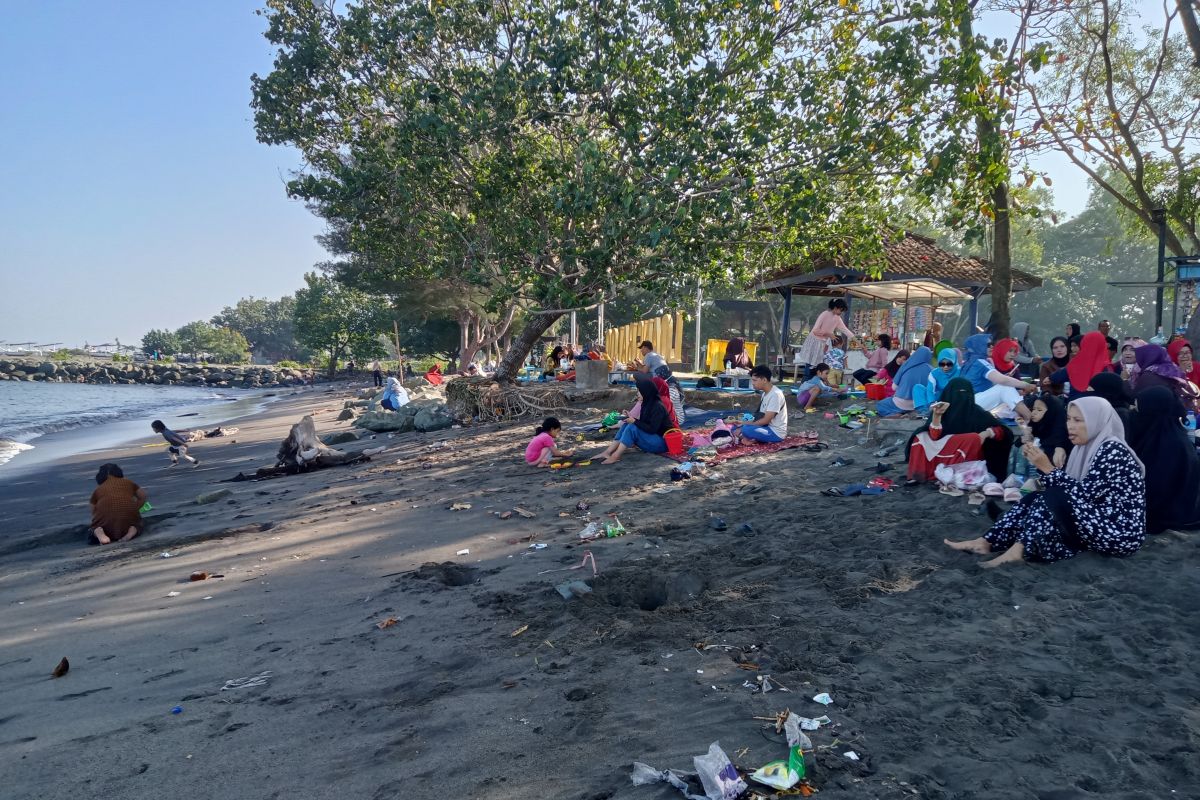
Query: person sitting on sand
(958, 430)
(674, 392)
(1109, 386)
(915, 372)
(1060, 356)
(645, 430)
(816, 386)
(177, 442)
(1088, 360)
(735, 354)
(770, 424)
(1159, 440)
(650, 359)
(543, 447)
(1097, 502)
(395, 396)
(434, 375)
(116, 504)
(1048, 425)
(993, 389)
(1155, 368)
(876, 360)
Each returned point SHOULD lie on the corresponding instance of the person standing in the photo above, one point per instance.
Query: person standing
(829, 323)
(377, 373)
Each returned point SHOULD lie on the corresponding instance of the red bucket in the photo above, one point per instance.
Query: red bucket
(876, 391)
(674, 440)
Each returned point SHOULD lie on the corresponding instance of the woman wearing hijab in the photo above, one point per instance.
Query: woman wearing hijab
(876, 360)
(1027, 357)
(395, 396)
(1073, 331)
(674, 393)
(646, 430)
(1155, 368)
(958, 430)
(1060, 356)
(1110, 386)
(914, 373)
(1091, 360)
(1004, 356)
(947, 369)
(1048, 425)
(993, 389)
(1159, 439)
(1096, 502)
(1181, 353)
(735, 354)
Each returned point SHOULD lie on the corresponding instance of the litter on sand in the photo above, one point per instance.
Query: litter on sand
(573, 589)
(850, 754)
(519, 630)
(466, 551)
(387, 623)
(823, 698)
(786, 774)
(245, 683)
(718, 777)
(587, 557)
(460, 507)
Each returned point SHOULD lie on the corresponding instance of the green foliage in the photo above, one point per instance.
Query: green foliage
(61, 355)
(267, 326)
(162, 341)
(550, 153)
(118, 358)
(334, 320)
(288, 363)
(221, 345)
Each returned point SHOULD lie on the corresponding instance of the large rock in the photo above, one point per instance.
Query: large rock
(340, 437)
(48, 368)
(384, 421)
(342, 417)
(434, 418)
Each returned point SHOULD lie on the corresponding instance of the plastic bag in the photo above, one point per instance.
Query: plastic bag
(718, 775)
(786, 774)
(967, 475)
(644, 774)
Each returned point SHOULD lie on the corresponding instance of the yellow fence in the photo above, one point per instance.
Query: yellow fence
(665, 333)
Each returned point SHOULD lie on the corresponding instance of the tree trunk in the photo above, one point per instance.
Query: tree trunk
(522, 345)
(1001, 264)
(1187, 15)
(333, 357)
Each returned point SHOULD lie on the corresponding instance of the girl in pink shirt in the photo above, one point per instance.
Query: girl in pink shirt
(812, 352)
(542, 448)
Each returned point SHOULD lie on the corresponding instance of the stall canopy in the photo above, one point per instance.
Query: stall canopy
(904, 291)
(909, 259)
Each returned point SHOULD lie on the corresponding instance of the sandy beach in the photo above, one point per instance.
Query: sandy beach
(352, 650)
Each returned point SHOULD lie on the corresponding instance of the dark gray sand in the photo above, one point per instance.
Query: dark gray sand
(1074, 680)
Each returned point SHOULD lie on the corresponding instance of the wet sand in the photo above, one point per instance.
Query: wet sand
(1073, 680)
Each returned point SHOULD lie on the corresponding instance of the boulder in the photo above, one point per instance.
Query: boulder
(342, 417)
(385, 421)
(48, 368)
(340, 437)
(434, 418)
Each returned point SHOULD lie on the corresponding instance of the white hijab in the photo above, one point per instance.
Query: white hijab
(1103, 425)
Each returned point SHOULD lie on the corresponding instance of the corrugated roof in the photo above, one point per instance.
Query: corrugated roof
(909, 257)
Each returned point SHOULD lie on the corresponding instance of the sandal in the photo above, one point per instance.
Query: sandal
(842, 461)
(952, 491)
(815, 447)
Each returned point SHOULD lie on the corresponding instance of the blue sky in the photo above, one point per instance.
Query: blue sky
(134, 193)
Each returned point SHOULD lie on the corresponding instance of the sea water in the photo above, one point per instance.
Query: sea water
(30, 410)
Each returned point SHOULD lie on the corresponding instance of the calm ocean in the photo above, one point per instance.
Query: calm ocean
(30, 410)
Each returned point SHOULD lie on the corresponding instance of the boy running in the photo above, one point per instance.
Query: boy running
(178, 444)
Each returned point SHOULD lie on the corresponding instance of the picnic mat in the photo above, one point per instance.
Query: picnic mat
(692, 420)
(750, 449)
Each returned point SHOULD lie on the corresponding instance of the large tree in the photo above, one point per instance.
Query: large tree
(266, 324)
(336, 321)
(556, 152)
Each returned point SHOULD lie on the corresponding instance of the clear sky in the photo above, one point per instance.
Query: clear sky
(133, 194)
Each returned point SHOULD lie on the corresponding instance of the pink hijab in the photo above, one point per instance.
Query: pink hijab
(1103, 425)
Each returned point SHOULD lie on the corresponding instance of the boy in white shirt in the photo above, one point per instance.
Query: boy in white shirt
(771, 421)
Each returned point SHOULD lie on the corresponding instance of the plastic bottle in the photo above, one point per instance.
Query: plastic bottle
(728, 366)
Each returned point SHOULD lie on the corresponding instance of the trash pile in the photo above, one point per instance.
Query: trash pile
(717, 778)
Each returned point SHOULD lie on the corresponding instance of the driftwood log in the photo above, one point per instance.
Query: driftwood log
(302, 451)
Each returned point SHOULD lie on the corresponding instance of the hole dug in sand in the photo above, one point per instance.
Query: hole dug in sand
(447, 573)
(650, 592)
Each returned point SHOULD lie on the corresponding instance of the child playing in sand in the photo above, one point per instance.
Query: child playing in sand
(116, 505)
(178, 444)
(814, 387)
(542, 448)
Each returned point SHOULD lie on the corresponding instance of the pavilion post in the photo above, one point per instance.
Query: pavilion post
(973, 315)
(787, 320)
(699, 316)
(600, 323)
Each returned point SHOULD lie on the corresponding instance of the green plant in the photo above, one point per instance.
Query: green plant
(118, 358)
(288, 364)
(61, 355)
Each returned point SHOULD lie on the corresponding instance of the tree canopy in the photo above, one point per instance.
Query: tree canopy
(559, 152)
(335, 321)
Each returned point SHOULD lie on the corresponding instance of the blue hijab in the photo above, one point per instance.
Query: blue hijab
(914, 372)
(938, 378)
(978, 365)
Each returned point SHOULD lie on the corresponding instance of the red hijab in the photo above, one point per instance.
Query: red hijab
(1092, 360)
(1175, 348)
(1002, 355)
(664, 394)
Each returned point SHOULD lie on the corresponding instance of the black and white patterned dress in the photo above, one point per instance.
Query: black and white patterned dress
(1108, 505)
